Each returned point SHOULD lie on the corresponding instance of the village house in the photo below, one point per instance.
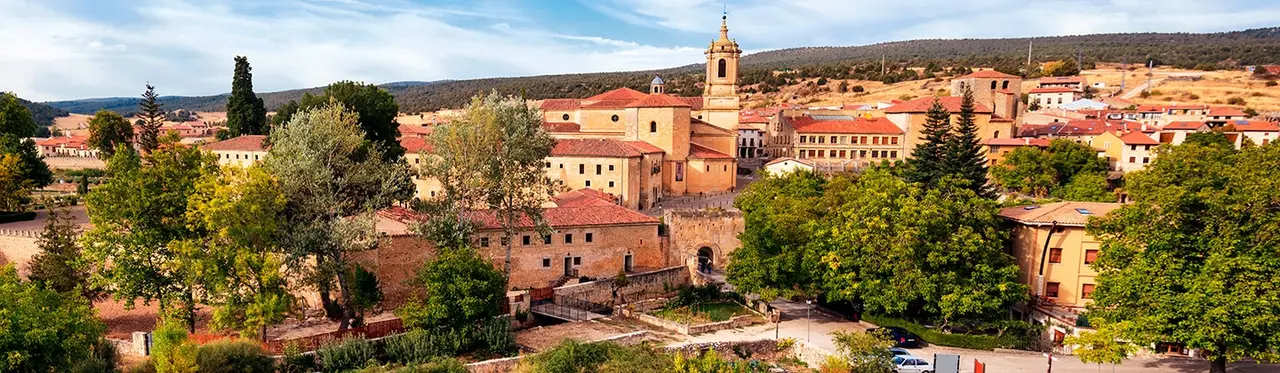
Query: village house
(910, 117)
(242, 151)
(1256, 131)
(751, 135)
(1126, 151)
(998, 148)
(65, 146)
(1054, 254)
(785, 165)
(995, 90)
(629, 170)
(1053, 97)
(1176, 132)
(591, 237)
(1077, 83)
(845, 143)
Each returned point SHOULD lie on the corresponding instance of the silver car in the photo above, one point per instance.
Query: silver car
(911, 364)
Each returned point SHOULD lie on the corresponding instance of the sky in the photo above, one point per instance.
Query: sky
(69, 49)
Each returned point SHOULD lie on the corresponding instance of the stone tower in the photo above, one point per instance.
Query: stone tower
(720, 103)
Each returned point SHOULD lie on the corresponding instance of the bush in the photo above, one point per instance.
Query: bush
(294, 361)
(349, 354)
(418, 346)
(858, 89)
(977, 342)
(1272, 83)
(696, 294)
(103, 359)
(233, 357)
(148, 366)
(1235, 101)
(439, 366)
(835, 364)
(9, 217)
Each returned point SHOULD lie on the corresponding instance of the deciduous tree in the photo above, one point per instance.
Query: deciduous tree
(42, 330)
(460, 289)
(332, 179)
(108, 129)
(376, 109)
(780, 213)
(1192, 259)
(14, 190)
(31, 166)
(139, 220)
(15, 119)
(246, 115)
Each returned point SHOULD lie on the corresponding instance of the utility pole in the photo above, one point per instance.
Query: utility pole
(883, 70)
(1079, 59)
(1124, 71)
(1028, 52)
(1150, 63)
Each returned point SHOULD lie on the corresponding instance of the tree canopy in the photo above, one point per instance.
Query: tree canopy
(781, 213)
(460, 289)
(1192, 259)
(246, 114)
(1065, 169)
(150, 117)
(964, 156)
(42, 330)
(108, 129)
(375, 110)
(60, 265)
(15, 119)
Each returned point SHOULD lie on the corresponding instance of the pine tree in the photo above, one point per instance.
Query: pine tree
(246, 114)
(928, 159)
(152, 116)
(58, 266)
(964, 156)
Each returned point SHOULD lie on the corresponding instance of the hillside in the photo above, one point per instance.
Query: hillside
(42, 113)
(1202, 51)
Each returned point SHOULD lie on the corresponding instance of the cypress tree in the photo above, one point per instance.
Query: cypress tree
(246, 114)
(928, 159)
(57, 266)
(964, 156)
(151, 115)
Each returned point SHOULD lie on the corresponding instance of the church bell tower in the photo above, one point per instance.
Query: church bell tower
(720, 102)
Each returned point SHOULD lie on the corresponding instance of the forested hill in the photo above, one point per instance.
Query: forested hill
(42, 113)
(1202, 51)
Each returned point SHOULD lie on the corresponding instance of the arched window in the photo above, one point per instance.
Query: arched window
(653, 126)
(995, 135)
(722, 67)
(1005, 85)
(993, 84)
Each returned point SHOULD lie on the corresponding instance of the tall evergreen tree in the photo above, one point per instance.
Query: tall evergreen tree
(246, 115)
(152, 116)
(59, 264)
(928, 159)
(964, 156)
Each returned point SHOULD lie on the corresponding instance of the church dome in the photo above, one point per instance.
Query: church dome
(656, 80)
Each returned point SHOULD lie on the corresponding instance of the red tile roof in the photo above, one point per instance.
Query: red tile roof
(860, 125)
(1052, 90)
(1226, 111)
(65, 141)
(699, 151)
(752, 119)
(414, 131)
(658, 100)
(1061, 79)
(1138, 138)
(245, 143)
(623, 93)
(1254, 126)
(561, 126)
(989, 74)
(559, 104)
(415, 144)
(784, 159)
(557, 217)
(1020, 141)
(1183, 126)
(922, 105)
(644, 147)
(583, 197)
(594, 148)
(1062, 213)
(695, 102)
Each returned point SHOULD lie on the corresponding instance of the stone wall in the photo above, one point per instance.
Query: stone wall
(642, 286)
(694, 229)
(763, 347)
(642, 316)
(809, 354)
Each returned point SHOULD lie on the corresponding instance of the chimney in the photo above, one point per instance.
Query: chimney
(1026, 140)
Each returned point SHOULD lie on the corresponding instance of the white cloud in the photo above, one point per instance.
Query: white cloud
(185, 47)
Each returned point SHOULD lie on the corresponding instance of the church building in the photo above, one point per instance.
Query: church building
(643, 146)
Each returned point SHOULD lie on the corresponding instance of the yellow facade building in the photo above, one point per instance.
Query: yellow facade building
(241, 151)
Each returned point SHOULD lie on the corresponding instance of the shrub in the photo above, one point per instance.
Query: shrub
(103, 359)
(572, 356)
(171, 350)
(977, 342)
(233, 357)
(294, 361)
(835, 364)
(148, 366)
(417, 346)
(495, 336)
(439, 366)
(349, 354)
(1235, 101)
(858, 89)
(9, 217)
(1272, 83)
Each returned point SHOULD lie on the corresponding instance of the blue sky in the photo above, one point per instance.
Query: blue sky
(66, 49)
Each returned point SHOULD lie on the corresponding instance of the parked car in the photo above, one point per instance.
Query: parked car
(911, 364)
(899, 352)
(901, 337)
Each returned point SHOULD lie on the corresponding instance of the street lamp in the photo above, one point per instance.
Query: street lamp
(808, 306)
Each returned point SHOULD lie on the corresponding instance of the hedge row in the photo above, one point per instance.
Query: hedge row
(9, 217)
(976, 342)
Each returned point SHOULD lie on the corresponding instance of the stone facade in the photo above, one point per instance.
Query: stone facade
(698, 235)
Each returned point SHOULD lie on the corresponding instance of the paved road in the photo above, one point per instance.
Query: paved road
(818, 327)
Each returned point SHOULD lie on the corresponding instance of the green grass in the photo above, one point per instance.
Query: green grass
(977, 342)
(703, 313)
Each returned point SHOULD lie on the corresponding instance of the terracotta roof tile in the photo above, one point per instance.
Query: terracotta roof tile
(990, 74)
(1183, 126)
(245, 143)
(414, 131)
(415, 144)
(1254, 126)
(1019, 141)
(922, 105)
(623, 93)
(699, 151)
(1138, 138)
(65, 141)
(594, 148)
(1063, 213)
(658, 100)
(583, 197)
(561, 104)
(644, 147)
(1061, 79)
(561, 126)
(859, 125)
(1226, 111)
(695, 102)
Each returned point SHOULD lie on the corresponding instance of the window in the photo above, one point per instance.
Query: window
(614, 118)
(1133, 147)
(610, 167)
(894, 140)
(577, 260)
(589, 237)
(893, 154)
(708, 168)
(833, 140)
(546, 262)
(653, 126)
(1132, 159)
(875, 154)
(598, 169)
(993, 84)
(1146, 147)
(484, 241)
(546, 239)
(611, 183)
(726, 168)
(1005, 85)
(1051, 290)
(1146, 160)
(822, 140)
(565, 117)
(1055, 255)
(995, 134)
(1086, 291)
(679, 171)
(804, 139)
(568, 238)
(1090, 256)
(721, 67)
(524, 240)
(548, 164)
(627, 262)
(562, 166)
(582, 169)
(588, 183)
